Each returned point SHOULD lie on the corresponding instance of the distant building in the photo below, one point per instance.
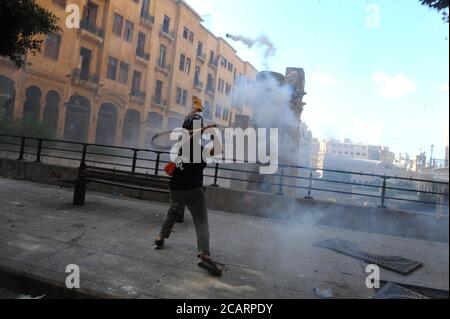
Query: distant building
(129, 72)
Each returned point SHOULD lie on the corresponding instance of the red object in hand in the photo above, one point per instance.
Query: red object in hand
(170, 169)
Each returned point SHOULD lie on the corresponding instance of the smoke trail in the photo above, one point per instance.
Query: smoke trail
(261, 41)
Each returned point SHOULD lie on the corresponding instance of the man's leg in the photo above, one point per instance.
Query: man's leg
(197, 206)
(176, 206)
(180, 218)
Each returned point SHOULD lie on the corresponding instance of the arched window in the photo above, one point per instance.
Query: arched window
(7, 97)
(51, 110)
(106, 124)
(32, 106)
(131, 128)
(174, 122)
(78, 114)
(155, 120)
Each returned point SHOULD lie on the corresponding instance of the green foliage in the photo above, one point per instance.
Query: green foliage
(30, 127)
(439, 5)
(22, 24)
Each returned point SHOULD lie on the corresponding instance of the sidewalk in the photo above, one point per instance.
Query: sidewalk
(111, 240)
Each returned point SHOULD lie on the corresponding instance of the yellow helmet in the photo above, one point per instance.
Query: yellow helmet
(198, 105)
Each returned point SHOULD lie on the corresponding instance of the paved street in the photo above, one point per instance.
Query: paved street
(111, 238)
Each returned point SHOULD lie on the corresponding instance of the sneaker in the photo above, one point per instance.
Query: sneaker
(159, 244)
(210, 266)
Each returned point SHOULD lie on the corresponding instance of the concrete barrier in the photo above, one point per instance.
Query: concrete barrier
(422, 226)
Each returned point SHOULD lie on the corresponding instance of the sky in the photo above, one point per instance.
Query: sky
(377, 72)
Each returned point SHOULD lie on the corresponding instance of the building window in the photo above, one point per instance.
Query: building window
(112, 68)
(197, 75)
(210, 83)
(226, 114)
(228, 89)
(218, 113)
(182, 62)
(230, 66)
(90, 15)
(136, 84)
(162, 55)
(212, 57)
(181, 97)
(85, 63)
(158, 91)
(185, 64)
(140, 48)
(128, 33)
(188, 35)
(199, 49)
(123, 72)
(52, 45)
(166, 24)
(118, 24)
(145, 8)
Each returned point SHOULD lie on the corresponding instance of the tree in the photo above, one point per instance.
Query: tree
(22, 24)
(439, 5)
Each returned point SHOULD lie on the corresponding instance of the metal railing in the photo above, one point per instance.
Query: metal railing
(288, 180)
(92, 28)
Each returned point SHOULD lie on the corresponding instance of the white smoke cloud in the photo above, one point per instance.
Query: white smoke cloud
(261, 41)
(393, 86)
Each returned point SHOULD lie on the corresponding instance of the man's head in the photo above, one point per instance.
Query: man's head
(197, 104)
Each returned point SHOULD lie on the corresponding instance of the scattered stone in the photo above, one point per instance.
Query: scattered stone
(323, 293)
(17, 204)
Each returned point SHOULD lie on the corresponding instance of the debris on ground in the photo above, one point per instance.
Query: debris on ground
(30, 297)
(18, 204)
(397, 264)
(323, 293)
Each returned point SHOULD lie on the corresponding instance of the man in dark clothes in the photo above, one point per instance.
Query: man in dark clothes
(186, 189)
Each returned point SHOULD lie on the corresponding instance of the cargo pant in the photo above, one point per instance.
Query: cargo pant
(196, 203)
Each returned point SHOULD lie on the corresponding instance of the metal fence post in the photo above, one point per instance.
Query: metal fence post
(216, 176)
(383, 194)
(133, 167)
(39, 151)
(310, 183)
(22, 149)
(280, 185)
(157, 164)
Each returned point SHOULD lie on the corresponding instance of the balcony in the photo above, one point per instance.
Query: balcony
(137, 96)
(91, 32)
(201, 57)
(143, 57)
(166, 33)
(210, 91)
(87, 80)
(213, 64)
(162, 67)
(147, 20)
(158, 102)
(198, 85)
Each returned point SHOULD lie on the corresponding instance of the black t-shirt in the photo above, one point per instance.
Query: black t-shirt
(189, 177)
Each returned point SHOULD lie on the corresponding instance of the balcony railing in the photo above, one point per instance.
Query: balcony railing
(158, 101)
(198, 85)
(138, 96)
(165, 68)
(201, 57)
(92, 28)
(143, 56)
(213, 64)
(83, 78)
(147, 19)
(167, 33)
